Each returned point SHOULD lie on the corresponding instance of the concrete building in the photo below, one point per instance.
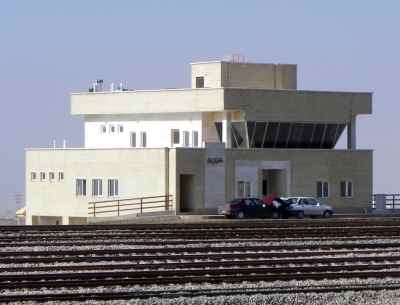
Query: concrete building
(242, 129)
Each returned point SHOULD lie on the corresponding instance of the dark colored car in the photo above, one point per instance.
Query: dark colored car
(250, 208)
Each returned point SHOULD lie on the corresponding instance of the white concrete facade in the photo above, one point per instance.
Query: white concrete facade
(240, 130)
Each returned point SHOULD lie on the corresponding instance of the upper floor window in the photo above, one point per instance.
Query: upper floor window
(60, 176)
(120, 128)
(80, 185)
(103, 128)
(346, 188)
(33, 176)
(322, 189)
(133, 139)
(186, 136)
(112, 187)
(143, 139)
(200, 82)
(112, 128)
(97, 187)
(51, 176)
(195, 139)
(42, 176)
(175, 136)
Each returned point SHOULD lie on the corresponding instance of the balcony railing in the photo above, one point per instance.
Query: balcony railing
(127, 206)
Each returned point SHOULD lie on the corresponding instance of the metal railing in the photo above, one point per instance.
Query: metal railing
(117, 207)
(391, 201)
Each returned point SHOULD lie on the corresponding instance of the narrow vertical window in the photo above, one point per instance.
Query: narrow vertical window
(97, 187)
(33, 176)
(113, 187)
(42, 176)
(322, 189)
(186, 136)
(346, 188)
(195, 139)
(60, 176)
(112, 128)
(143, 139)
(175, 136)
(200, 82)
(80, 187)
(51, 176)
(103, 128)
(133, 139)
(120, 128)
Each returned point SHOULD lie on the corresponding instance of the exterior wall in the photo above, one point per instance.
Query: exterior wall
(156, 101)
(140, 172)
(306, 168)
(259, 76)
(298, 106)
(211, 72)
(157, 127)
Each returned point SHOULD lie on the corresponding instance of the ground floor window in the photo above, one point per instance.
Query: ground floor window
(97, 187)
(322, 189)
(346, 188)
(195, 139)
(133, 139)
(143, 139)
(112, 187)
(80, 187)
(186, 136)
(244, 189)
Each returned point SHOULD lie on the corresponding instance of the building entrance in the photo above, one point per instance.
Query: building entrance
(187, 186)
(274, 181)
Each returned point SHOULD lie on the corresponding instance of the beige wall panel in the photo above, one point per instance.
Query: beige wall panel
(210, 71)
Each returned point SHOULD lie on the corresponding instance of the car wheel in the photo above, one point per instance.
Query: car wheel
(300, 215)
(327, 214)
(240, 215)
(275, 215)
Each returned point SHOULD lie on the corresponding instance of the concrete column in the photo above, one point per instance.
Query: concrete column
(351, 134)
(226, 130)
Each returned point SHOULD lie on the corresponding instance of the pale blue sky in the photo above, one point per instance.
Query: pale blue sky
(51, 48)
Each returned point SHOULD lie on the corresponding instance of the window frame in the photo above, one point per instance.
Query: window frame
(186, 138)
(175, 132)
(84, 187)
(115, 194)
(324, 182)
(33, 176)
(61, 176)
(50, 176)
(112, 128)
(42, 176)
(200, 82)
(101, 193)
(120, 128)
(195, 136)
(243, 187)
(347, 194)
(143, 139)
(133, 135)
(103, 128)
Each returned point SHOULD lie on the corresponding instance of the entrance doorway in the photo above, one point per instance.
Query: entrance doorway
(187, 202)
(274, 181)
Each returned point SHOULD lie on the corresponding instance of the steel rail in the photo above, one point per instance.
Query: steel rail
(191, 293)
(261, 261)
(175, 256)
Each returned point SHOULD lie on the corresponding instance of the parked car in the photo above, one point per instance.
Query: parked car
(249, 208)
(308, 206)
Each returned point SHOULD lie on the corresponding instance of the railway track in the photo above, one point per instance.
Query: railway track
(77, 257)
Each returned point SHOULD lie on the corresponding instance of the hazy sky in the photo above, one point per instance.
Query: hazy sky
(51, 48)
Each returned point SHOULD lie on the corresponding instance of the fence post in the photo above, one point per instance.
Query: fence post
(141, 205)
(94, 209)
(118, 206)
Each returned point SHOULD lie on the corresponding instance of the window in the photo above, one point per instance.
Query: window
(195, 139)
(120, 128)
(200, 82)
(175, 136)
(51, 176)
(33, 176)
(133, 139)
(346, 188)
(103, 128)
(186, 136)
(322, 189)
(80, 187)
(243, 189)
(112, 187)
(42, 176)
(97, 187)
(60, 176)
(112, 128)
(143, 139)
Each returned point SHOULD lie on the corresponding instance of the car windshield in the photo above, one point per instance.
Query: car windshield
(312, 201)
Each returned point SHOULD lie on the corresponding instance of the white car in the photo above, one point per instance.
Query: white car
(309, 206)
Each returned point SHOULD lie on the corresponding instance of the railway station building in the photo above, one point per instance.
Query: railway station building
(242, 129)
